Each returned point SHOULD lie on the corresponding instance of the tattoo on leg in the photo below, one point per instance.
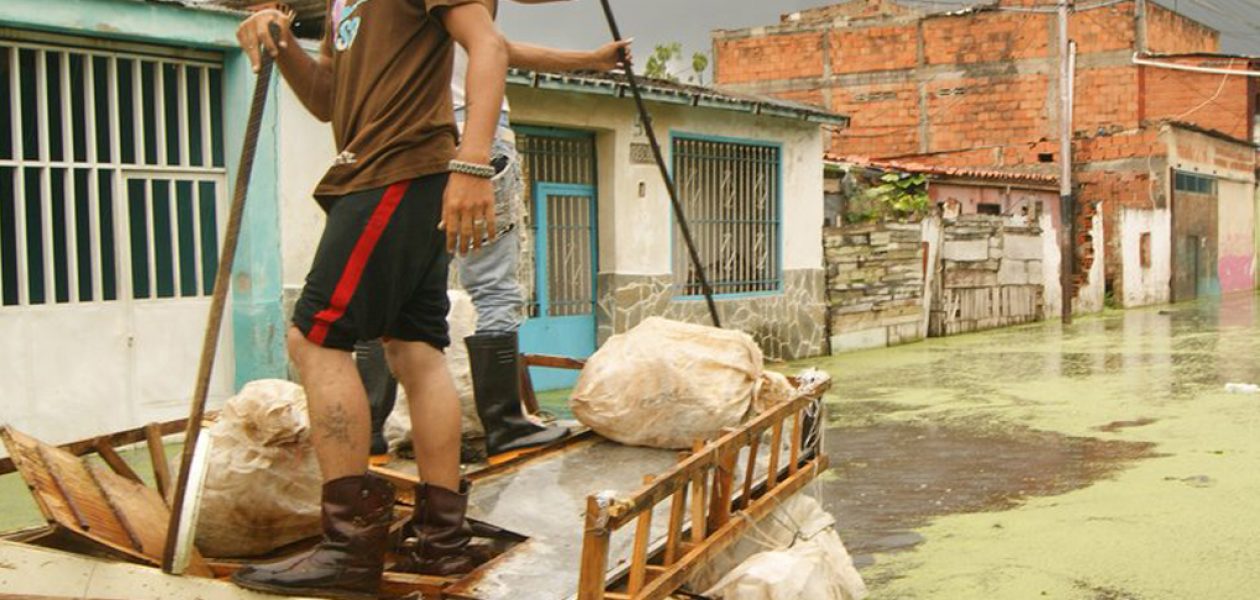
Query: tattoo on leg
(335, 425)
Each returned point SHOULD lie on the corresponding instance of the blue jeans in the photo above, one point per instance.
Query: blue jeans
(489, 274)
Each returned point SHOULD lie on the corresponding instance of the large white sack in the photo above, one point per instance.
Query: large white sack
(462, 320)
(792, 554)
(666, 384)
(263, 484)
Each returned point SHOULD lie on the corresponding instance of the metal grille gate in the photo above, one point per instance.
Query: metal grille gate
(111, 169)
(112, 181)
(730, 194)
(563, 160)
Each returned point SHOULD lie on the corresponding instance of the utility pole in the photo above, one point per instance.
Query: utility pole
(1067, 213)
(1140, 27)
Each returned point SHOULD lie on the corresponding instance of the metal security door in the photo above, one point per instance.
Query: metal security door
(564, 222)
(111, 178)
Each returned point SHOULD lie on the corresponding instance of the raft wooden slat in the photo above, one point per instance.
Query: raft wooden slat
(157, 456)
(122, 438)
(116, 462)
(794, 449)
(776, 447)
(713, 527)
(750, 472)
(677, 513)
(91, 504)
(594, 551)
(638, 553)
(528, 398)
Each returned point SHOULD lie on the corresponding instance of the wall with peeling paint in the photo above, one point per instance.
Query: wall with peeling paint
(1145, 285)
(1236, 257)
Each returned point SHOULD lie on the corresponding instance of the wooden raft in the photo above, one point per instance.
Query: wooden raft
(104, 511)
(705, 488)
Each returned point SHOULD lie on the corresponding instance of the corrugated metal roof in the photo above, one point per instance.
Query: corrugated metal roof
(1003, 176)
(669, 92)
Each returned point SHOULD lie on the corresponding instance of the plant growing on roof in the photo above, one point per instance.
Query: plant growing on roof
(903, 195)
(874, 195)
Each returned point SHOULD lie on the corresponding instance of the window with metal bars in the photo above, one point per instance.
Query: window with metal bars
(111, 171)
(730, 195)
(563, 157)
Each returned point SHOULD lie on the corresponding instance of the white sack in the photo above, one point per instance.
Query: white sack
(263, 483)
(462, 321)
(762, 565)
(665, 384)
(773, 389)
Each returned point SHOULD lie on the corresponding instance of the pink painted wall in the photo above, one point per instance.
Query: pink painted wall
(1236, 256)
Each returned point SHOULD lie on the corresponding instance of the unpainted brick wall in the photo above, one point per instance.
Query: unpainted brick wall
(769, 58)
(893, 75)
(1216, 102)
(1168, 32)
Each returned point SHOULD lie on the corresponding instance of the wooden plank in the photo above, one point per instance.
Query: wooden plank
(132, 536)
(553, 362)
(157, 456)
(638, 553)
(723, 490)
(122, 438)
(529, 399)
(698, 489)
(594, 552)
(677, 513)
(776, 443)
(750, 471)
(93, 503)
(116, 462)
(669, 581)
(794, 449)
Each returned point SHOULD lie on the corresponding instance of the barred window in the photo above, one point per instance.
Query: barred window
(111, 170)
(730, 194)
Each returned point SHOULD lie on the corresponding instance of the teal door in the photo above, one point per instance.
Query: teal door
(562, 320)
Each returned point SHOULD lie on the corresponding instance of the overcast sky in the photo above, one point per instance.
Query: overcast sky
(580, 23)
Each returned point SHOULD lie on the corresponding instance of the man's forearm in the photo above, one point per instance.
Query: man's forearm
(538, 58)
(309, 77)
(486, 82)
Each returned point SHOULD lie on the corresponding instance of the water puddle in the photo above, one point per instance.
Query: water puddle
(888, 479)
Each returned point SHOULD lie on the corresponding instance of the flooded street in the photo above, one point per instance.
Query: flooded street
(1105, 461)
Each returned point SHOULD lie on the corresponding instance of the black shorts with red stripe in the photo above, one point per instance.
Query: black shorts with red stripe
(380, 270)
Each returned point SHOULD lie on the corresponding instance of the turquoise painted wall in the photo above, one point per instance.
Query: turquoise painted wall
(257, 316)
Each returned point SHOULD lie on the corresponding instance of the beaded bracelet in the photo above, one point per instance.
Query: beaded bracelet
(473, 169)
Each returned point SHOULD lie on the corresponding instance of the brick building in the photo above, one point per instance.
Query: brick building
(979, 88)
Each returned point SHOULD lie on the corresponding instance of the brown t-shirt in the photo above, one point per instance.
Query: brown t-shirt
(391, 111)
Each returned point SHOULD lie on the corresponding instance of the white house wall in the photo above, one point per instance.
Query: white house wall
(635, 238)
(1146, 285)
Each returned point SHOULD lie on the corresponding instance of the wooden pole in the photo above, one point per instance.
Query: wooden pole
(1067, 211)
(594, 552)
(214, 322)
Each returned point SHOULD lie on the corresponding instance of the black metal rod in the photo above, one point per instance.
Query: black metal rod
(660, 163)
(214, 322)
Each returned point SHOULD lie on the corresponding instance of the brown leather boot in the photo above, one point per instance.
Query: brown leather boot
(347, 564)
(435, 541)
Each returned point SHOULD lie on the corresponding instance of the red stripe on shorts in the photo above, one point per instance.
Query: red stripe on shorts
(349, 281)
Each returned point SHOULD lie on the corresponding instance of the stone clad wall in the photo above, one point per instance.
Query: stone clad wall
(788, 325)
(990, 276)
(874, 285)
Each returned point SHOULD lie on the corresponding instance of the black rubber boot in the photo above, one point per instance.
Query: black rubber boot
(347, 564)
(495, 363)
